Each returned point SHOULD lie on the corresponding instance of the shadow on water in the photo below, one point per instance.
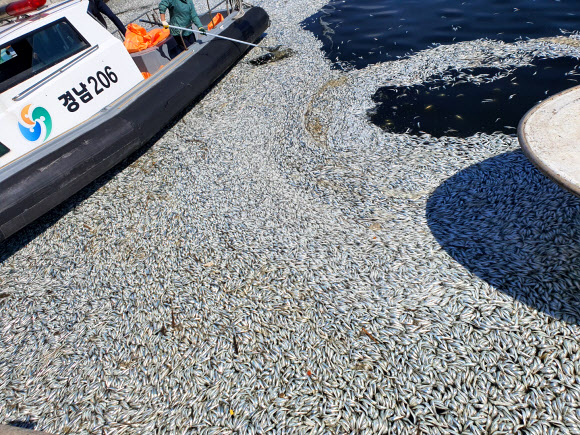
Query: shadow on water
(23, 424)
(462, 103)
(514, 228)
(27, 234)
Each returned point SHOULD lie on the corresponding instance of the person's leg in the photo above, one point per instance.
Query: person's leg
(176, 47)
(189, 39)
(182, 42)
(111, 15)
(94, 11)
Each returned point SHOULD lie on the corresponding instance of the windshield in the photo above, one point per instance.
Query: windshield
(3, 150)
(26, 56)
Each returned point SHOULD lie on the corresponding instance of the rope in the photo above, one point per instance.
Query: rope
(209, 10)
(240, 7)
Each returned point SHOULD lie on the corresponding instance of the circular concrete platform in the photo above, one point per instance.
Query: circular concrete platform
(549, 135)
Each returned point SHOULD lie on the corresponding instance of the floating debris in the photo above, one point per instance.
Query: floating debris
(375, 226)
(273, 56)
(368, 334)
(235, 344)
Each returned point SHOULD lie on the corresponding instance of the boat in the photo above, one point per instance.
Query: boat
(549, 135)
(74, 102)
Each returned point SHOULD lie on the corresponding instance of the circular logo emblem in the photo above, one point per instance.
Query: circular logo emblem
(35, 124)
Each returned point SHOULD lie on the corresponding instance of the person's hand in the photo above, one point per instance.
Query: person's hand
(202, 30)
(165, 24)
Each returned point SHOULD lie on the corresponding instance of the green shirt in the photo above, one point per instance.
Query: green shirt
(181, 14)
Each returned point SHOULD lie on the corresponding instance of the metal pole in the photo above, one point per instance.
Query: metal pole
(210, 34)
(209, 11)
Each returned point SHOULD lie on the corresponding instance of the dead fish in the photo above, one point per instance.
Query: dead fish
(273, 56)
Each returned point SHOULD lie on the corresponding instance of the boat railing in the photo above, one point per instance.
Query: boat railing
(152, 15)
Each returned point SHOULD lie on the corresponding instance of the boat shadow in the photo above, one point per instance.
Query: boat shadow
(21, 238)
(22, 424)
(27, 234)
(514, 228)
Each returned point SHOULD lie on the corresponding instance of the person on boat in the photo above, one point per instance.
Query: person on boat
(181, 14)
(96, 7)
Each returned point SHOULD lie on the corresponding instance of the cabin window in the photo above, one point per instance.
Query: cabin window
(34, 52)
(3, 150)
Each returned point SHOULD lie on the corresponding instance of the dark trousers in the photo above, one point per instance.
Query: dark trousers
(188, 40)
(96, 7)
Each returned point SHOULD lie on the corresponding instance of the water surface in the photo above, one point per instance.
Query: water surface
(462, 103)
(364, 32)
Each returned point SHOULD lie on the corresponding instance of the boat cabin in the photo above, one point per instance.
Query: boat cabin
(44, 91)
(59, 67)
(75, 99)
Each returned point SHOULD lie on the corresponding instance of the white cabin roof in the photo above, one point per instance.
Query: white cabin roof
(22, 24)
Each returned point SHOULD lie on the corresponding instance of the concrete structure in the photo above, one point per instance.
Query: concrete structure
(549, 135)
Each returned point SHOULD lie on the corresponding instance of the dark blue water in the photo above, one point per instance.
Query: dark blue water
(363, 32)
(451, 105)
